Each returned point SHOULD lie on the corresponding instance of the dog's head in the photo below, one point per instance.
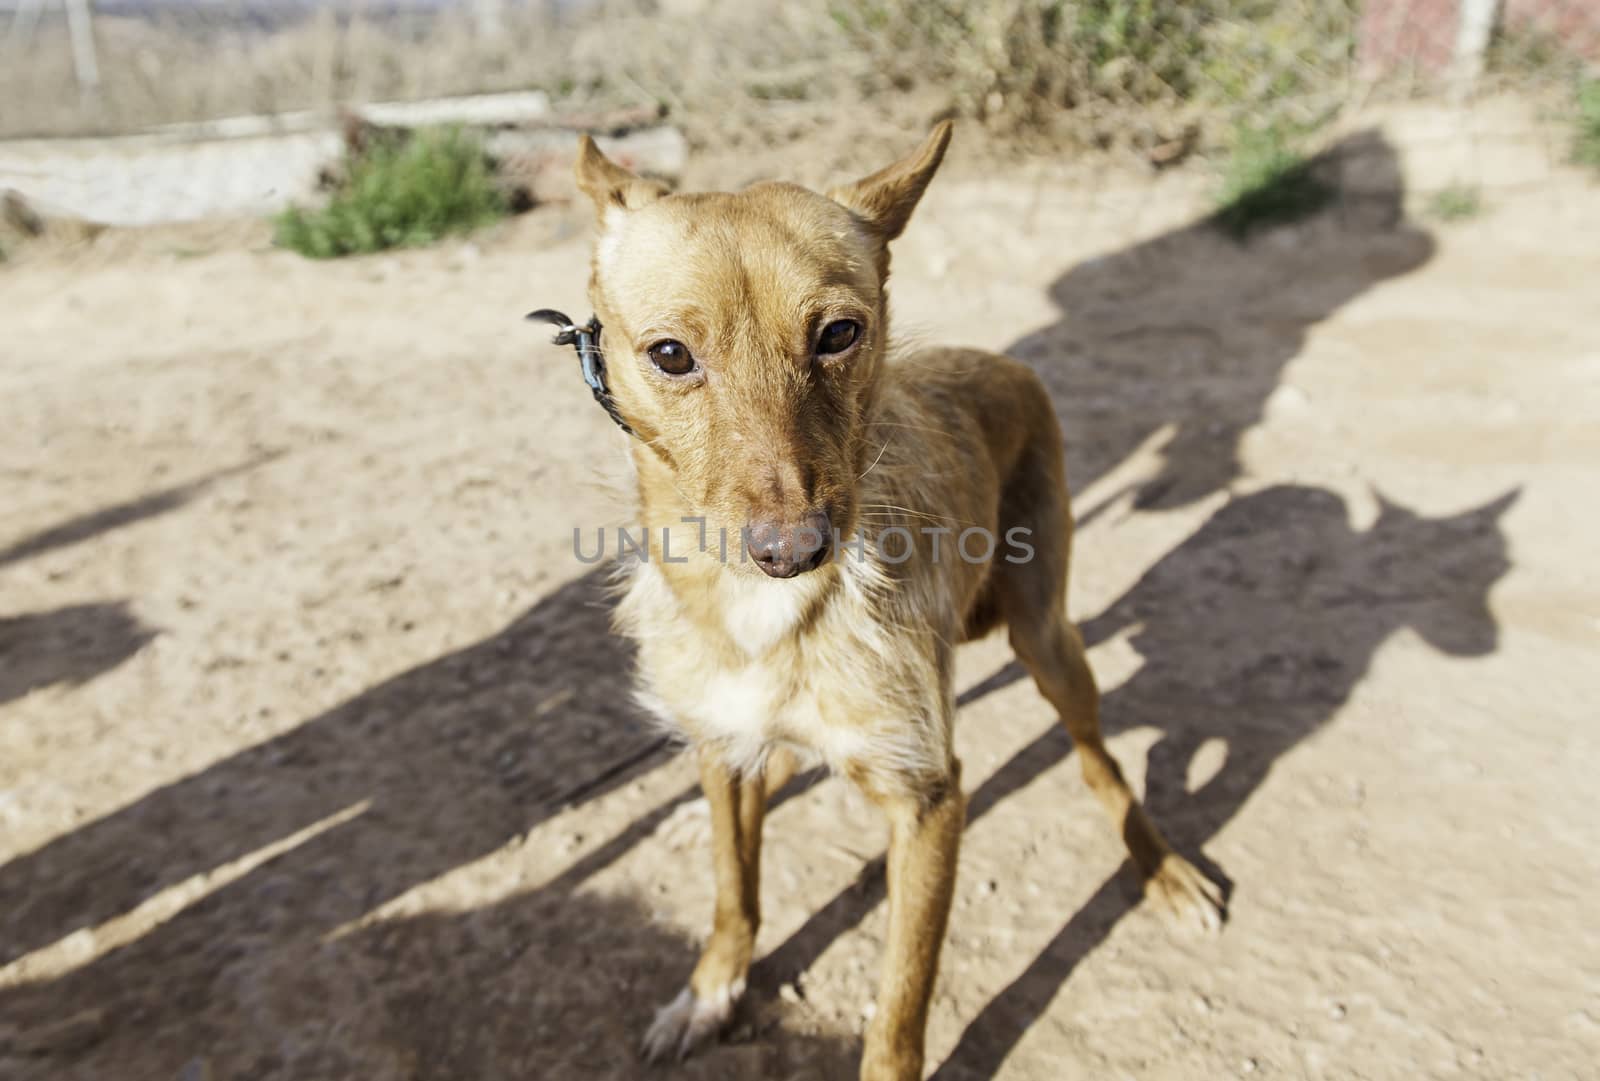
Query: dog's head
(744, 338)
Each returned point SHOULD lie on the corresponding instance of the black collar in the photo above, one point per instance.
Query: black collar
(586, 339)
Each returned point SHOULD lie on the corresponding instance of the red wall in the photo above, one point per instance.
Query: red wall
(1576, 23)
(1394, 35)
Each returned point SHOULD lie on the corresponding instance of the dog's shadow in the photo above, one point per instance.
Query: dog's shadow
(1176, 343)
(1255, 630)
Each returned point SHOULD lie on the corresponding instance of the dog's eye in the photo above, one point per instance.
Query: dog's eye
(838, 336)
(671, 357)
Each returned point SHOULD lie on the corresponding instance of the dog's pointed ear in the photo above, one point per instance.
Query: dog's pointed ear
(608, 185)
(885, 200)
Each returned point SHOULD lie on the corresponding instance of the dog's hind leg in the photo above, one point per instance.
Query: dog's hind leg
(1032, 599)
(738, 810)
(1054, 654)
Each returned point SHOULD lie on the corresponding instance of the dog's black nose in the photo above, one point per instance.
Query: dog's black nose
(783, 551)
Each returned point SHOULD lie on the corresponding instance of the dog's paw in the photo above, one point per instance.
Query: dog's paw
(689, 1021)
(1187, 897)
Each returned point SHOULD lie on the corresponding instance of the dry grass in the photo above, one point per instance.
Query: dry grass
(1039, 63)
(833, 79)
(732, 73)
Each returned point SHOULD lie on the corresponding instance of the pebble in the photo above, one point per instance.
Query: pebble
(196, 1069)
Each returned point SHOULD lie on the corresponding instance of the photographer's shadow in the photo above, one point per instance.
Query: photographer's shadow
(1175, 344)
(1257, 629)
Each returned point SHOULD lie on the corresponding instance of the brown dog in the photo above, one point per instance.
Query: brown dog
(881, 509)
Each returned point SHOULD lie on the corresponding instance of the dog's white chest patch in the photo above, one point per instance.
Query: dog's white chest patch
(748, 705)
(758, 614)
(748, 710)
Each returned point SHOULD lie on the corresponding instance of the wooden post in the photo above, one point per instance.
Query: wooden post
(1473, 30)
(80, 26)
(20, 34)
(489, 17)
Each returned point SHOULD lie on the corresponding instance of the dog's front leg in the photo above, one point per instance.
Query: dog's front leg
(738, 808)
(925, 827)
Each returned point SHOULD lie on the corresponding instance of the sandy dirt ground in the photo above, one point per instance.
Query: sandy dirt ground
(317, 762)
